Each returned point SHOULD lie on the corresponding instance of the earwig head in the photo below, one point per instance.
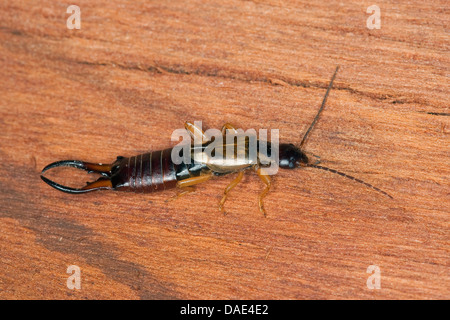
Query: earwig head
(291, 157)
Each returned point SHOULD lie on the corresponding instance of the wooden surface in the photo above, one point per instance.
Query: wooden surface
(134, 72)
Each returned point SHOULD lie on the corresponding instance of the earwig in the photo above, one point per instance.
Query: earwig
(155, 171)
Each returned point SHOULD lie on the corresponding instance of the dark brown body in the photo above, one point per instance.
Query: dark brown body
(151, 172)
(145, 173)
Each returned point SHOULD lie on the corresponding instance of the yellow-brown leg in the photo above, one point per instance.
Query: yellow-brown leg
(187, 185)
(228, 189)
(266, 179)
(229, 127)
(195, 132)
(194, 180)
(184, 191)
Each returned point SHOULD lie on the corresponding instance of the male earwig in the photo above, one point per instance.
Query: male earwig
(155, 171)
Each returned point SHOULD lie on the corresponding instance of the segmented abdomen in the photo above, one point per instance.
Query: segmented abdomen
(146, 172)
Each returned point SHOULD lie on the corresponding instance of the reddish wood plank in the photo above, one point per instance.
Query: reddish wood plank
(135, 72)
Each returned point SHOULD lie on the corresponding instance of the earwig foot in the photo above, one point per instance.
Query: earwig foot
(261, 208)
(221, 203)
(266, 180)
(221, 208)
(185, 191)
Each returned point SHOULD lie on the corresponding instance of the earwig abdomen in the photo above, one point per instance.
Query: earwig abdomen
(144, 173)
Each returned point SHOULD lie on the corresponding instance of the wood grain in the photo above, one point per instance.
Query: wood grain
(135, 72)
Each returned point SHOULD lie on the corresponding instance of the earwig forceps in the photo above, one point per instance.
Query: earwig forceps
(103, 182)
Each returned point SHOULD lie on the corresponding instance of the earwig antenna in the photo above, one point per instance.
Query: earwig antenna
(321, 108)
(349, 177)
(325, 168)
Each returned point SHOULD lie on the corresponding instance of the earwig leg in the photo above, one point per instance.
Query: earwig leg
(193, 181)
(196, 133)
(228, 126)
(266, 179)
(228, 189)
(187, 185)
(183, 192)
